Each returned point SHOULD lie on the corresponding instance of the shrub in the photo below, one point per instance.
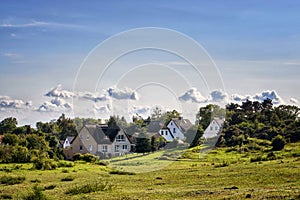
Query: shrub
(271, 156)
(88, 188)
(278, 143)
(258, 158)
(11, 180)
(65, 164)
(85, 157)
(35, 194)
(103, 162)
(43, 164)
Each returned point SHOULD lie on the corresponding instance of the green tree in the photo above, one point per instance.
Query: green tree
(8, 125)
(278, 143)
(10, 139)
(142, 144)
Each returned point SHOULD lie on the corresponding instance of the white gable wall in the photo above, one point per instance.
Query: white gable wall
(166, 134)
(121, 144)
(175, 130)
(212, 130)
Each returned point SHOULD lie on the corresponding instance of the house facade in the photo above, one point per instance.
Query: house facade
(175, 129)
(67, 142)
(102, 141)
(214, 128)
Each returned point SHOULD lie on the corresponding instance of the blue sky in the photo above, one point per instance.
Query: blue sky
(255, 44)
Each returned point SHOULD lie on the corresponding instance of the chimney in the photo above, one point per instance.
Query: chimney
(180, 118)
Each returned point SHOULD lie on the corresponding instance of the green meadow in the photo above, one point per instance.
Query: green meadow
(222, 173)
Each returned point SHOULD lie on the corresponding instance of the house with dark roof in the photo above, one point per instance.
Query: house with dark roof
(214, 128)
(67, 142)
(175, 129)
(102, 141)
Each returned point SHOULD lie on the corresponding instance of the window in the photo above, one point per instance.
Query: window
(104, 148)
(216, 128)
(67, 142)
(87, 137)
(90, 147)
(166, 132)
(120, 138)
(171, 123)
(80, 136)
(124, 147)
(211, 128)
(80, 147)
(174, 130)
(117, 148)
(162, 132)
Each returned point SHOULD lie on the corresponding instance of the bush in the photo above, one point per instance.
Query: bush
(258, 159)
(85, 157)
(35, 194)
(88, 188)
(65, 164)
(11, 180)
(43, 164)
(278, 143)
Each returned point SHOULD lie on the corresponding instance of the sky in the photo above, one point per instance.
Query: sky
(254, 44)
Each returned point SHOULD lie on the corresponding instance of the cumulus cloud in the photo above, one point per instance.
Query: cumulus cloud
(92, 96)
(126, 93)
(59, 92)
(55, 105)
(192, 95)
(140, 110)
(7, 102)
(268, 94)
(218, 96)
(293, 100)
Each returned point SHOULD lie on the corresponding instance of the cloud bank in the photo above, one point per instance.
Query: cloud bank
(7, 102)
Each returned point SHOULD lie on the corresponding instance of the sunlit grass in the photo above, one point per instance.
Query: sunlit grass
(192, 176)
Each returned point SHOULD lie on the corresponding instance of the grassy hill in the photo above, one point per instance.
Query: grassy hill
(223, 173)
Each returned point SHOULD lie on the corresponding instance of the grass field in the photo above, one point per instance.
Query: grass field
(224, 173)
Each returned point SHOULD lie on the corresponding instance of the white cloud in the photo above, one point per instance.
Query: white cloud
(59, 92)
(55, 105)
(218, 96)
(7, 102)
(126, 93)
(192, 95)
(91, 96)
(36, 23)
(293, 100)
(140, 110)
(268, 94)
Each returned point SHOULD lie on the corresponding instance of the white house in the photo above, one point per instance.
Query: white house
(103, 141)
(214, 128)
(175, 129)
(68, 142)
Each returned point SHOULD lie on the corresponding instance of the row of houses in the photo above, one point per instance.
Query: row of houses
(105, 142)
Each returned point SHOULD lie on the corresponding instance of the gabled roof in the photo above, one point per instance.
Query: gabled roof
(70, 139)
(219, 121)
(182, 124)
(154, 126)
(103, 134)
